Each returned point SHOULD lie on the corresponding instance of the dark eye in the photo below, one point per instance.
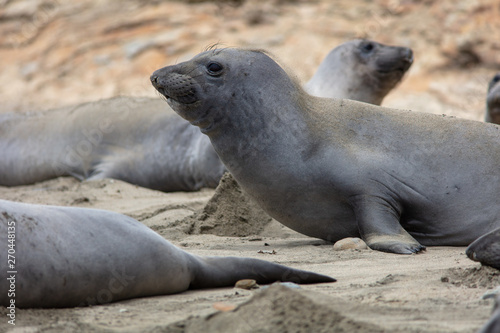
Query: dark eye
(214, 68)
(367, 47)
(496, 78)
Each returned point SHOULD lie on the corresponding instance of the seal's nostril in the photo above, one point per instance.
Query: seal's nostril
(154, 79)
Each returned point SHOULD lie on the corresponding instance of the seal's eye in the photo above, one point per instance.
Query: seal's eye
(214, 68)
(368, 47)
(496, 78)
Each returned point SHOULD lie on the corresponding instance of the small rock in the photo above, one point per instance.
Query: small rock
(350, 243)
(224, 307)
(246, 284)
(267, 252)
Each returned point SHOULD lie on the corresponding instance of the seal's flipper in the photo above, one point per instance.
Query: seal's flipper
(215, 272)
(379, 226)
(486, 249)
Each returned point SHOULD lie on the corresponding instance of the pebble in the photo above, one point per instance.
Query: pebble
(246, 284)
(350, 243)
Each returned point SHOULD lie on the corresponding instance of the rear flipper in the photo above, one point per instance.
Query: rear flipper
(486, 249)
(213, 272)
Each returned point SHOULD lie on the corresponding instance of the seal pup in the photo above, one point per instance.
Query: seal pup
(493, 101)
(334, 168)
(362, 70)
(67, 257)
(143, 142)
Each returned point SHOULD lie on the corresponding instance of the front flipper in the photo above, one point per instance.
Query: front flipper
(379, 226)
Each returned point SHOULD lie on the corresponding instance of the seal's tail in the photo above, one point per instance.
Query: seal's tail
(226, 271)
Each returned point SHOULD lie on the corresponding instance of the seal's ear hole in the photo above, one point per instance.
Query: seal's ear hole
(214, 68)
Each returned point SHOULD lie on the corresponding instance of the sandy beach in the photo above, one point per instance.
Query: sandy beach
(78, 52)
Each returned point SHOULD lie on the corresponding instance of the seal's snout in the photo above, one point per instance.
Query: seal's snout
(154, 79)
(407, 55)
(471, 254)
(178, 87)
(394, 60)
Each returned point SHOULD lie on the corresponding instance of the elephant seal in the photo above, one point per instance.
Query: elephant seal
(335, 168)
(493, 101)
(143, 142)
(138, 140)
(362, 70)
(67, 257)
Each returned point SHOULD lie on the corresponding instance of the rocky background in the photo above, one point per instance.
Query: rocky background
(60, 52)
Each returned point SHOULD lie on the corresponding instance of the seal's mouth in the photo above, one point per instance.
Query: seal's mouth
(471, 254)
(398, 65)
(401, 68)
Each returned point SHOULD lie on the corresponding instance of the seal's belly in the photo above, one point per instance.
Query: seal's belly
(314, 215)
(453, 220)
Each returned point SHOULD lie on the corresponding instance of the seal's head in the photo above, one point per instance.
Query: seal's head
(493, 101)
(222, 85)
(361, 70)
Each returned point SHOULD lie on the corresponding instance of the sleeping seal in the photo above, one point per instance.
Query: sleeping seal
(137, 140)
(334, 168)
(143, 142)
(67, 257)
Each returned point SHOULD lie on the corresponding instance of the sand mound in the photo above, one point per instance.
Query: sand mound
(230, 212)
(278, 309)
(483, 277)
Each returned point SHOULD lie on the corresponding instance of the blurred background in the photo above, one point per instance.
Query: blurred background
(60, 52)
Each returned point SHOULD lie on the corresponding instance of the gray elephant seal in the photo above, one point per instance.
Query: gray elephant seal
(333, 168)
(362, 70)
(66, 257)
(143, 142)
(493, 101)
(138, 140)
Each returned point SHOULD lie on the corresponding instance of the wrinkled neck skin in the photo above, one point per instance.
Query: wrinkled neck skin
(257, 132)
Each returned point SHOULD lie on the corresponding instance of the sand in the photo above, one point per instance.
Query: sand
(439, 290)
(58, 53)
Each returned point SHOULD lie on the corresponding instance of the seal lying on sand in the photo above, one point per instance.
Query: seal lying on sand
(141, 141)
(362, 70)
(66, 257)
(493, 101)
(333, 168)
(138, 140)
